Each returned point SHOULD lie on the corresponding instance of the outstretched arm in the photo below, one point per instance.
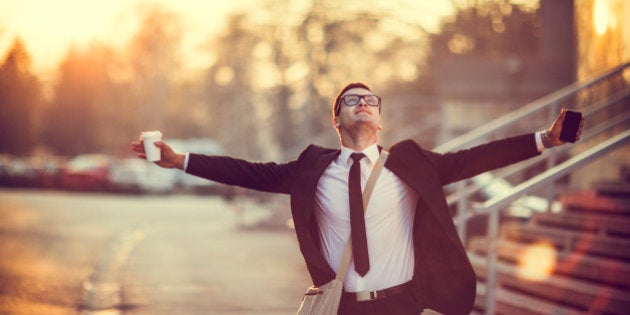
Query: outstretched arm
(270, 177)
(466, 163)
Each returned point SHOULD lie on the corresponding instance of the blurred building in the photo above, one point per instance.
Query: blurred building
(603, 42)
(579, 39)
(476, 89)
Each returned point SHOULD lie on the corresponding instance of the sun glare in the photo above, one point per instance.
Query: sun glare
(76, 20)
(604, 16)
(600, 17)
(537, 262)
(49, 28)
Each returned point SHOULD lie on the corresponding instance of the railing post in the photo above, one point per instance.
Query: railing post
(462, 205)
(553, 112)
(491, 272)
(552, 160)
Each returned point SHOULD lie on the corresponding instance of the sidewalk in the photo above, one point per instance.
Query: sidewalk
(196, 267)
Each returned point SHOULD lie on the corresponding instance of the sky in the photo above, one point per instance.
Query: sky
(49, 28)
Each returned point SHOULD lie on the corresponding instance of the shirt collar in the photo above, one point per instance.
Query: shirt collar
(371, 152)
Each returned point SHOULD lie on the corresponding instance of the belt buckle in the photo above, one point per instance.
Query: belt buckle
(367, 296)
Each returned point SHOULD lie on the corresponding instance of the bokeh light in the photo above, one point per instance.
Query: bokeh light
(537, 262)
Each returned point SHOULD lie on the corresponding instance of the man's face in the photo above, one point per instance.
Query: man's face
(359, 115)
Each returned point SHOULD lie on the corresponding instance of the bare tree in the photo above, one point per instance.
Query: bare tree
(153, 61)
(20, 100)
(293, 62)
(80, 117)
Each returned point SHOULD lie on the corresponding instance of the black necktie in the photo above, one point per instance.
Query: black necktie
(357, 217)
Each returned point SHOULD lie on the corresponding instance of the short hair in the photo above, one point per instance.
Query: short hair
(337, 103)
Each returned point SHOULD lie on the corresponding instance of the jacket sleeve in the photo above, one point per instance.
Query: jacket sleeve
(455, 166)
(268, 177)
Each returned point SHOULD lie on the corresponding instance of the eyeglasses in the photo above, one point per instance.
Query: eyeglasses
(354, 99)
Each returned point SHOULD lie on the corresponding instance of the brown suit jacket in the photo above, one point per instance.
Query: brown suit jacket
(443, 276)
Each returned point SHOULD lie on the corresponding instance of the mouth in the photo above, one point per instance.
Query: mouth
(363, 111)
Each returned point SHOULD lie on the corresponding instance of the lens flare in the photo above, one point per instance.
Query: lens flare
(600, 17)
(537, 262)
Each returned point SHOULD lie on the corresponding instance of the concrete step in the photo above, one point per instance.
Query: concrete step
(509, 302)
(570, 241)
(586, 222)
(558, 290)
(593, 269)
(590, 201)
(612, 188)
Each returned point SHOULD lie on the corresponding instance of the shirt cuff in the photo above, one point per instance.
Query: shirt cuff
(539, 143)
(186, 161)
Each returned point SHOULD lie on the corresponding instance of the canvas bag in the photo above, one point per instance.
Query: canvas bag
(324, 300)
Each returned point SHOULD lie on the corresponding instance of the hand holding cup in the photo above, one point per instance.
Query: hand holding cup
(151, 148)
(149, 138)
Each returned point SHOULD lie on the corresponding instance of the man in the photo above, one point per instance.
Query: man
(414, 259)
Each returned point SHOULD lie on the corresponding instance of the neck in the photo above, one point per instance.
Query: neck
(358, 142)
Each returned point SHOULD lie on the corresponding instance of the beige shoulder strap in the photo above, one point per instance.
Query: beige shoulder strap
(367, 192)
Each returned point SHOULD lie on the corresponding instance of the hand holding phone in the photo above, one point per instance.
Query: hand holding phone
(570, 126)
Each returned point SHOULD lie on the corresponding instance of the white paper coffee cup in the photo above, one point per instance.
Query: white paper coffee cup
(148, 139)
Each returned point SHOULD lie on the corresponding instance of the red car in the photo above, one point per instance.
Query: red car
(87, 172)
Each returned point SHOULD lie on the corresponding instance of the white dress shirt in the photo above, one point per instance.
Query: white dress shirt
(388, 222)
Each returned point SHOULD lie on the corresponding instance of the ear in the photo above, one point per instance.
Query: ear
(335, 122)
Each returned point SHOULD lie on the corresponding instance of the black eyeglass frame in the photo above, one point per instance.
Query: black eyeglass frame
(361, 97)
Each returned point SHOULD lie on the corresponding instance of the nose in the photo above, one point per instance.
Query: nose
(362, 102)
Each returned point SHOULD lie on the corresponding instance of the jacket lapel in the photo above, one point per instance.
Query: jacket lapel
(416, 171)
(319, 166)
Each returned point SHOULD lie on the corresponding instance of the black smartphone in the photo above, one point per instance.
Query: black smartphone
(570, 126)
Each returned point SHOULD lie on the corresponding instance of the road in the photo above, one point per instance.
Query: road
(102, 254)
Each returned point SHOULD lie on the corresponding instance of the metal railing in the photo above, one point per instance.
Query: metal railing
(493, 206)
(552, 100)
(606, 92)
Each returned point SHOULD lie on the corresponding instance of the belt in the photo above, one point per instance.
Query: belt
(377, 294)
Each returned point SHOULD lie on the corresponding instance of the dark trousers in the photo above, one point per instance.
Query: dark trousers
(400, 304)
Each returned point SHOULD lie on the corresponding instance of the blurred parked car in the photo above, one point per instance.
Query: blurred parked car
(48, 169)
(133, 175)
(191, 183)
(4, 169)
(86, 172)
(17, 172)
